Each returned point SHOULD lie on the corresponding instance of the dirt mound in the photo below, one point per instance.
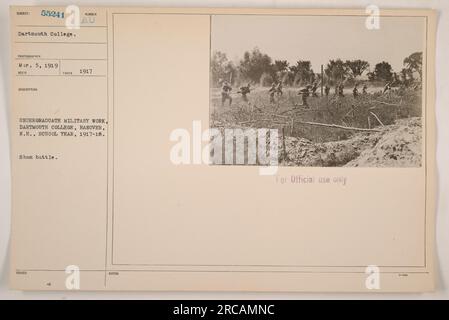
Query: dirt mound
(397, 145)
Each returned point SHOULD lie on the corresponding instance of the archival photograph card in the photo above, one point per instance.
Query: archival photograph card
(222, 149)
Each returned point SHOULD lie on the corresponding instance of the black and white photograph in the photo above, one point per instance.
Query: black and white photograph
(339, 91)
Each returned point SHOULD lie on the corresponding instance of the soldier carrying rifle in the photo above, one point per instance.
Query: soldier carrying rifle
(226, 93)
(365, 87)
(340, 89)
(272, 92)
(314, 89)
(387, 87)
(279, 89)
(355, 91)
(304, 95)
(244, 90)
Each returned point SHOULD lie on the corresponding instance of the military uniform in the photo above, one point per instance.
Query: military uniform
(355, 91)
(304, 95)
(226, 94)
(272, 92)
(340, 90)
(314, 89)
(244, 91)
(364, 89)
(279, 89)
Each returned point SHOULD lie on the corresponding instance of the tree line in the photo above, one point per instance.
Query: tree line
(259, 68)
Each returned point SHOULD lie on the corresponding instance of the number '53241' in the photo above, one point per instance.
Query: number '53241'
(54, 14)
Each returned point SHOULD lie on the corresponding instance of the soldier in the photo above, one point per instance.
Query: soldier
(244, 91)
(314, 88)
(226, 93)
(387, 87)
(304, 95)
(272, 92)
(365, 87)
(355, 91)
(327, 89)
(279, 89)
(352, 112)
(340, 89)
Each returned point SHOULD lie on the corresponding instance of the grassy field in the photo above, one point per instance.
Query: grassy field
(373, 129)
(365, 111)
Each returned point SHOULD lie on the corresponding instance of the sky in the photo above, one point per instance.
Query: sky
(319, 39)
